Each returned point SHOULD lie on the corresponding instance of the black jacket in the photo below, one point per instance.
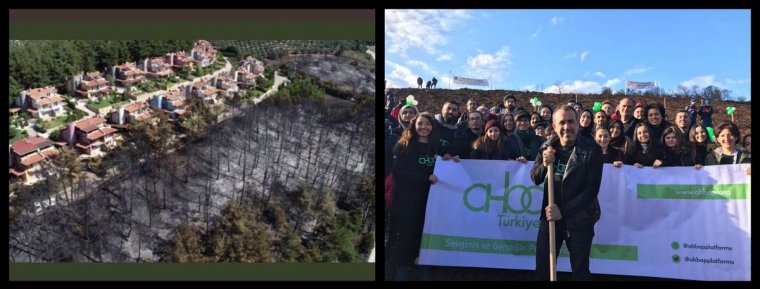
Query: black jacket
(672, 159)
(463, 144)
(578, 202)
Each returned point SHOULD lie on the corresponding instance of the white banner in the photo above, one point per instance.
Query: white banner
(673, 222)
(470, 81)
(640, 84)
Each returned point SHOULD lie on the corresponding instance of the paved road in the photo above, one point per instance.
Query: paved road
(277, 81)
(81, 105)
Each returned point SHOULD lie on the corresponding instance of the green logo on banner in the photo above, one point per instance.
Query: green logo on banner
(676, 259)
(527, 194)
(674, 245)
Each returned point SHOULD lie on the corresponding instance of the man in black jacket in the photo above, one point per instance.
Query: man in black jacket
(577, 164)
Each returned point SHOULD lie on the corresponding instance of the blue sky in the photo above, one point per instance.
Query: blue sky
(582, 50)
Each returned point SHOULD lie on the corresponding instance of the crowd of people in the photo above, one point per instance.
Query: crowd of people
(625, 133)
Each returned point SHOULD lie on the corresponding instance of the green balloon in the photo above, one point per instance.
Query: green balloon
(711, 133)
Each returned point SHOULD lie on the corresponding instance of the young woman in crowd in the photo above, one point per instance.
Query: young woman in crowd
(406, 113)
(644, 150)
(611, 155)
(414, 159)
(700, 143)
(535, 119)
(618, 139)
(495, 146)
(675, 152)
(586, 121)
(508, 124)
(546, 113)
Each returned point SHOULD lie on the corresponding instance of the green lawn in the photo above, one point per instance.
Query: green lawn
(19, 135)
(104, 103)
(54, 122)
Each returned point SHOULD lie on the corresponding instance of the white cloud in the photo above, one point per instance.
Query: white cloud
(444, 82)
(637, 70)
(422, 65)
(577, 85)
(571, 55)
(484, 65)
(584, 55)
(443, 57)
(612, 82)
(702, 81)
(600, 74)
(401, 76)
(739, 81)
(535, 34)
(556, 20)
(421, 29)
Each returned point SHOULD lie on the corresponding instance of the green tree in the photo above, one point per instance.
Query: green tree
(240, 236)
(186, 245)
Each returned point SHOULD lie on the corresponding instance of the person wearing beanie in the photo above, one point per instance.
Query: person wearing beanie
(492, 145)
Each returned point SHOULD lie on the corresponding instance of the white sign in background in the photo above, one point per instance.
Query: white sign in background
(699, 231)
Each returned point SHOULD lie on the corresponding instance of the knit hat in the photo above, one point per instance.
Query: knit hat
(491, 123)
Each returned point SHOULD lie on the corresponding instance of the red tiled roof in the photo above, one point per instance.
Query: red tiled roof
(177, 103)
(90, 124)
(37, 93)
(174, 94)
(27, 145)
(49, 100)
(135, 107)
(209, 91)
(36, 157)
(100, 133)
(143, 116)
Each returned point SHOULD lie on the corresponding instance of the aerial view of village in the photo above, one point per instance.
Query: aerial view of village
(191, 151)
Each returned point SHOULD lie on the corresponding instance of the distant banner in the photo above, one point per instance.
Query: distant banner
(674, 222)
(640, 85)
(470, 81)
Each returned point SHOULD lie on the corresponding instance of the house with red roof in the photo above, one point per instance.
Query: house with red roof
(91, 84)
(27, 156)
(128, 75)
(90, 135)
(43, 103)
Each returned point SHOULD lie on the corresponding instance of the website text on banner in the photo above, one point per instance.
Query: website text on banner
(673, 222)
(470, 81)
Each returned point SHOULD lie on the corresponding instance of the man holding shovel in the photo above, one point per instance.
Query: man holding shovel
(575, 163)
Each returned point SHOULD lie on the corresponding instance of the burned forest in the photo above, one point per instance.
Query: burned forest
(270, 182)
